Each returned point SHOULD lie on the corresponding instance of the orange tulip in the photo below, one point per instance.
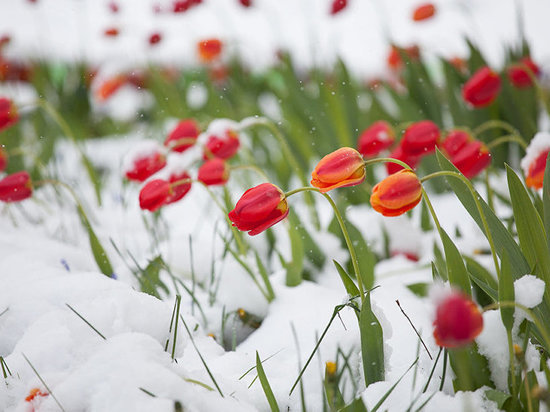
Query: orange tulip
(209, 50)
(397, 193)
(424, 12)
(344, 167)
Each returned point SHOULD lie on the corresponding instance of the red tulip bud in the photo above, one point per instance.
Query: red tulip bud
(420, 138)
(8, 113)
(341, 168)
(15, 187)
(482, 88)
(337, 6)
(519, 73)
(145, 164)
(214, 172)
(222, 147)
(397, 193)
(209, 50)
(183, 136)
(154, 194)
(377, 137)
(179, 186)
(424, 12)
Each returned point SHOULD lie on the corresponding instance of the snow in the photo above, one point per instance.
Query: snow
(539, 143)
(529, 291)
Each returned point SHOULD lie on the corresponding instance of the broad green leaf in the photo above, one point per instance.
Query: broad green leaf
(419, 289)
(456, 270)
(506, 293)
(356, 405)
(497, 396)
(350, 286)
(265, 385)
(372, 344)
(100, 256)
(295, 267)
(471, 369)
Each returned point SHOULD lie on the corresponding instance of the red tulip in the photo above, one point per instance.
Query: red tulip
(394, 59)
(457, 322)
(246, 3)
(399, 154)
(519, 73)
(259, 208)
(154, 194)
(482, 88)
(155, 38)
(111, 32)
(423, 12)
(377, 137)
(397, 193)
(183, 136)
(214, 172)
(179, 186)
(420, 138)
(15, 187)
(144, 166)
(181, 6)
(472, 159)
(341, 168)
(224, 147)
(535, 174)
(455, 140)
(109, 87)
(337, 6)
(3, 159)
(209, 50)
(8, 113)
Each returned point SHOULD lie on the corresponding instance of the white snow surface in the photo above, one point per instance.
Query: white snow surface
(529, 291)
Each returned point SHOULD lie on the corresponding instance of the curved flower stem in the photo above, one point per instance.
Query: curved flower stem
(511, 357)
(505, 139)
(289, 156)
(475, 195)
(431, 209)
(342, 224)
(71, 192)
(496, 124)
(490, 201)
(253, 168)
(387, 160)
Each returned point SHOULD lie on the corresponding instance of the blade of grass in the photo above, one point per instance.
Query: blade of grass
(85, 321)
(43, 383)
(265, 385)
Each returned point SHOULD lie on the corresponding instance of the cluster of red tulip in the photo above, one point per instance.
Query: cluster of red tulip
(213, 171)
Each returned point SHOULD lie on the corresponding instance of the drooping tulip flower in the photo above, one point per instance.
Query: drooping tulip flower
(534, 161)
(519, 73)
(214, 172)
(341, 168)
(183, 136)
(458, 321)
(144, 163)
(399, 154)
(397, 193)
(209, 50)
(154, 194)
(379, 136)
(454, 141)
(15, 187)
(423, 12)
(179, 186)
(3, 159)
(482, 88)
(420, 138)
(8, 113)
(337, 6)
(222, 147)
(259, 208)
(472, 159)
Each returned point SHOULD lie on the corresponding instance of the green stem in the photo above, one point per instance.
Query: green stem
(512, 366)
(475, 195)
(490, 201)
(506, 139)
(70, 190)
(431, 209)
(253, 168)
(289, 156)
(496, 124)
(386, 160)
(342, 224)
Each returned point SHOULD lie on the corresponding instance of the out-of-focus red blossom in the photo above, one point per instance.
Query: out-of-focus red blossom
(397, 193)
(181, 6)
(181, 184)
(145, 166)
(246, 3)
(337, 6)
(482, 88)
(214, 172)
(420, 138)
(113, 6)
(377, 137)
(519, 73)
(218, 73)
(259, 208)
(535, 175)
(455, 140)
(458, 321)
(4, 40)
(399, 154)
(394, 60)
(341, 168)
(11, 70)
(413, 257)
(183, 136)
(423, 12)
(222, 147)
(110, 87)
(155, 38)
(8, 113)
(459, 64)
(111, 32)
(472, 159)
(209, 49)
(15, 187)
(154, 194)
(33, 393)
(3, 159)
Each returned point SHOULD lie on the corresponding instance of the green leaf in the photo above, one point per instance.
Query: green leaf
(265, 385)
(295, 267)
(471, 369)
(497, 396)
(456, 270)
(530, 229)
(100, 256)
(503, 240)
(149, 278)
(419, 289)
(506, 293)
(546, 202)
(372, 344)
(356, 405)
(350, 286)
(265, 277)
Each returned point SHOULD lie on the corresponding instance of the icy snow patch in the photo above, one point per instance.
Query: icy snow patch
(492, 343)
(538, 144)
(529, 290)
